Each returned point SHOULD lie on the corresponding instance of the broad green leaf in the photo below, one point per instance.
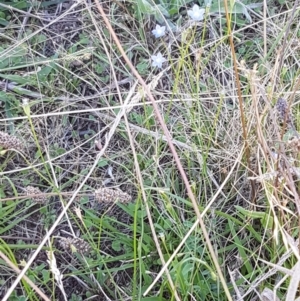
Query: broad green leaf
(3, 22)
(266, 218)
(234, 8)
(145, 7)
(15, 78)
(27, 4)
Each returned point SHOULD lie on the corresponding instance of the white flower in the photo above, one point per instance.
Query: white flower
(158, 60)
(25, 101)
(159, 31)
(196, 13)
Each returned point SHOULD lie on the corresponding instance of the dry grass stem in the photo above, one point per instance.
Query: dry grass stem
(17, 270)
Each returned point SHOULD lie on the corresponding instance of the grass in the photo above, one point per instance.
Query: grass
(81, 122)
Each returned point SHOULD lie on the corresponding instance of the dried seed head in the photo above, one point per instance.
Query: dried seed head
(30, 190)
(282, 108)
(109, 195)
(75, 244)
(294, 144)
(8, 142)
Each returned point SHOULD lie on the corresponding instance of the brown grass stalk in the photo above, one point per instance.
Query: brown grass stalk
(239, 91)
(25, 278)
(172, 148)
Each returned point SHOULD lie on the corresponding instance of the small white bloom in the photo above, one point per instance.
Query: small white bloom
(110, 172)
(158, 60)
(159, 31)
(162, 236)
(25, 101)
(196, 13)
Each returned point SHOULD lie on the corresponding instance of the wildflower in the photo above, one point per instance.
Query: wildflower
(196, 13)
(8, 142)
(26, 106)
(162, 236)
(109, 195)
(32, 191)
(75, 244)
(158, 60)
(25, 101)
(159, 31)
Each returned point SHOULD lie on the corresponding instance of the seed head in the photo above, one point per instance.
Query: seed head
(30, 190)
(75, 244)
(294, 144)
(109, 195)
(8, 142)
(282, 108)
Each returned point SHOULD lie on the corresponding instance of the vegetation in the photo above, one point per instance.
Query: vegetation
(95, 204)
